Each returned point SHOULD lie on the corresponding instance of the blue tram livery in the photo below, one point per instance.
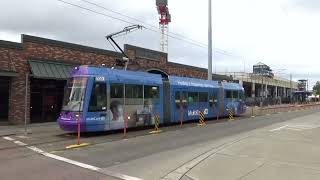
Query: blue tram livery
(103, 99)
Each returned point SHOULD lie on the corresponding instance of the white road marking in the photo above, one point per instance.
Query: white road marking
(20, 143)
(277, 129)
(8, 138)
(35, 149)
(23, 137)
(296, 127)
(76, 163)
(83, 165)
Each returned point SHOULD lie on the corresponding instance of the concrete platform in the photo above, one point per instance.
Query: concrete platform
(273, 153)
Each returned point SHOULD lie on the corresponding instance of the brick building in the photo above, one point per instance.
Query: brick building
(39, 68)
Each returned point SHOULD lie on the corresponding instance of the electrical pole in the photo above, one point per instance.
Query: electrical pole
(209, 42)
(290, 87)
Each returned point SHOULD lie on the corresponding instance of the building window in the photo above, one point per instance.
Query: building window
(98, 100)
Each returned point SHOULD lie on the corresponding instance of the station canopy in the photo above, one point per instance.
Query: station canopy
(8, 73)
(50, 69)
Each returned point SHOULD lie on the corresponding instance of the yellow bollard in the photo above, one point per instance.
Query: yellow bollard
(252, 114)
(201, 119)
(156, 125)
(231, 118)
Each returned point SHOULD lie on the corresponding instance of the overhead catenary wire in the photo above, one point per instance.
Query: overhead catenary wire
(170, 34)
(220, 51)
(138, 20)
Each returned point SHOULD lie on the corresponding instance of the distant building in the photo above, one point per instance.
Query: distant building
(262, 69)
(262, 86)
(302, 94)
(302, 85)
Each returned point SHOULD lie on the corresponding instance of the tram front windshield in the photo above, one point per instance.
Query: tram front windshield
(74, 94)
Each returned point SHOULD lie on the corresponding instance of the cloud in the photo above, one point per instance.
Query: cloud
(271, 31)
(307, 5)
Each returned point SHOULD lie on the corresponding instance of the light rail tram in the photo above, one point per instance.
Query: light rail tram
(103, 99)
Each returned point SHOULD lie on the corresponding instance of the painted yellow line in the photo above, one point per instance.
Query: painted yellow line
(77, 145)
(155, 132)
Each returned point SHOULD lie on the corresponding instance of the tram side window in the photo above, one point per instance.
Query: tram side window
(235, 94)
(193, 97)
(98, 100)
(241, 94)
(133, 94)
(228, 94)
(151, 92)
(203, 97)
(116, 91)
(177, 98)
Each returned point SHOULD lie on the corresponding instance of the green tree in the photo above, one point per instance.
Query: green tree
(316, 88)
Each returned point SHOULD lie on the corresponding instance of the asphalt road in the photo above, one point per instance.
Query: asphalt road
(115, 152)
(112, 152)
(18, 163)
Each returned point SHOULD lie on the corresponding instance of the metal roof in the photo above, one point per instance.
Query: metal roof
(50, 69)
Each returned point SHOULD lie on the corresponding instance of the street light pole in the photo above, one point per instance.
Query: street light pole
(291, 88)
(26, 104)
(209, 42)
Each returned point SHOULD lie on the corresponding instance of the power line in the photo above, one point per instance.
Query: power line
(81, 7)
(191, 41)
(138, 20)
(131, 23)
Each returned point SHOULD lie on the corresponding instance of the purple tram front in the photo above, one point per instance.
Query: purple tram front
(103, 99)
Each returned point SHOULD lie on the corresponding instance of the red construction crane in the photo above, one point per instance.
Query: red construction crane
(164, 19)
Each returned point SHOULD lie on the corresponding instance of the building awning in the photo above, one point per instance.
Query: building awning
(8, 73)
(50, 69)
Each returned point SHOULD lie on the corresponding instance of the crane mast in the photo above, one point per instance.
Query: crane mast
(164, 20)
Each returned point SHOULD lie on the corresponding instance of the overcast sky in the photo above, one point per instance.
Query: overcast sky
(283, 34)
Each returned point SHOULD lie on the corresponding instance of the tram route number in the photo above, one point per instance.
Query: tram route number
(100, 78)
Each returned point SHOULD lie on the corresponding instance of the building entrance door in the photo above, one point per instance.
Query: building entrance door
(46, 100)
(4, 98)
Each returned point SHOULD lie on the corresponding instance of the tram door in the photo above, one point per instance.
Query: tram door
(221, 102)
(213, 103)
(181, 106)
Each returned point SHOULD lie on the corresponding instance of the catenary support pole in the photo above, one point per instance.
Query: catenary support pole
(26, 104)
(209, 43)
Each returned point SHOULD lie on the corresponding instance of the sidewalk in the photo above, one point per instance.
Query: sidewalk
(286, 151)
(30, 128)
(266, 110)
